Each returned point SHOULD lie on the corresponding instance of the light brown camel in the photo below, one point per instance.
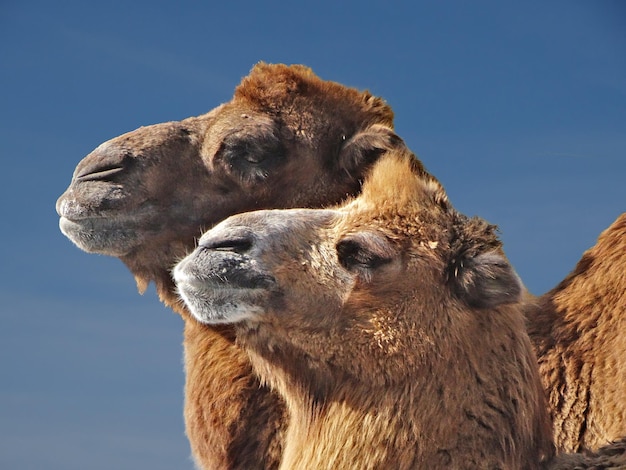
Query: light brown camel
(286, 139)
(390, 325)
(579, 332)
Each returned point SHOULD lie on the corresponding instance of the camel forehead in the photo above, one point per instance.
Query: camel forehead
(279, 221)
(234, 118)
(305, 118)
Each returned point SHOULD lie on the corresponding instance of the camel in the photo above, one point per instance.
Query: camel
(578, 329)
(286, 139)
(391, 326)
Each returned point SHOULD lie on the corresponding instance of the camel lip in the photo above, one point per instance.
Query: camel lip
(220, 303)
(229, 282)
(221, 271)
(105, 223)
(95, 213)
(100, 236)
(90, 223)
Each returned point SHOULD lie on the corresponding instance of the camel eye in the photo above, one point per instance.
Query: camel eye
(363, 252)
(253, 157)
(241, 150)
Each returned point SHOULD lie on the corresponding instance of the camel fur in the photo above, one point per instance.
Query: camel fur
(579, 332)
(610, 457)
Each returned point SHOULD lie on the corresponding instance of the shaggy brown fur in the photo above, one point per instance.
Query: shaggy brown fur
(286, 139)
(579, 332)
(390, 325)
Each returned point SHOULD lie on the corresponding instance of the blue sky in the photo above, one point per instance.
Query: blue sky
(519, 108)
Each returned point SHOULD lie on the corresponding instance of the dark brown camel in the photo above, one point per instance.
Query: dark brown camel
(286, 139)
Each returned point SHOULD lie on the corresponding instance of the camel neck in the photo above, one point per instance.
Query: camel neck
(352, 429)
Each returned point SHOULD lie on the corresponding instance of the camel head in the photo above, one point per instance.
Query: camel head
(286, 139)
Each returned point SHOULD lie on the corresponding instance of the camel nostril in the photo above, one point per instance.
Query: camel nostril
(102, 173)
(107, 163)
(238, 245)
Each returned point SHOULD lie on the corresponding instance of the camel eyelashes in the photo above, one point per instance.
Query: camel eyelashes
(254, 158)
(252, 151)
(250, 158)
(363, 251)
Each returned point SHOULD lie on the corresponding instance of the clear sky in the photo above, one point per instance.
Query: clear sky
(519, 108)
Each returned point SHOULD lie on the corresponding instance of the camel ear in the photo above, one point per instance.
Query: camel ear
(364, 148)
(487, 280)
